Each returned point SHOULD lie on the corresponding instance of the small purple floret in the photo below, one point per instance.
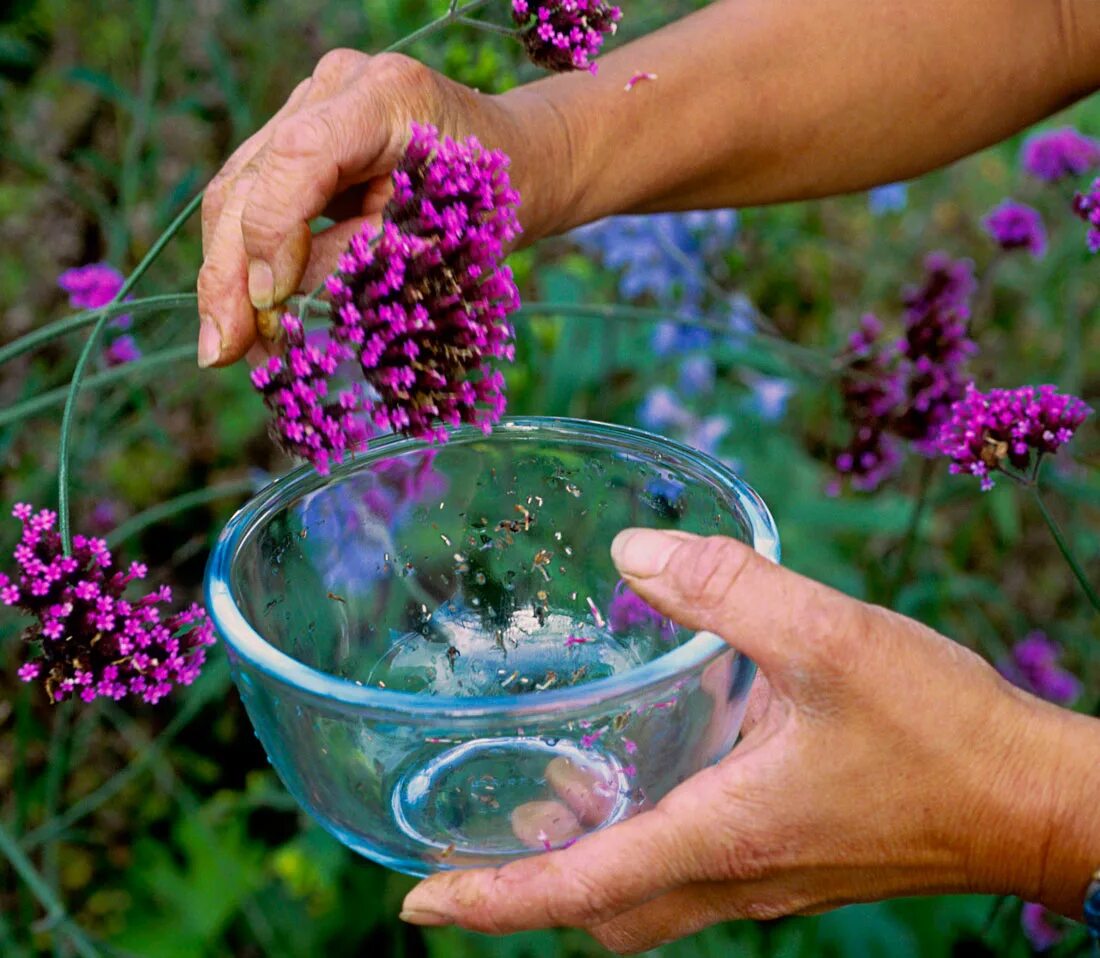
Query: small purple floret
(1015, 225)
(1056, 154)
(563, 35)
(94, 641)
(92, 286)
(1087, 206)
(1033, 666)
(1039, 926)
(123, 350)
(986, 432)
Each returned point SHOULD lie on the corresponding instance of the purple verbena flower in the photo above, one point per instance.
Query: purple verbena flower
(92, 286)
(1087, 206)
(1040, 926)
(987, 431)
(1055, 154)
(563, 35)
(95, 641)
(123, 350)
(423, 305)
(1015, 225)
(629, 611)
(1033, 666)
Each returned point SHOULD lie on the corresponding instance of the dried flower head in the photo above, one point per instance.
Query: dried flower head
(1087, 206)
(563, 35)
(1015, 225)
(1008, 427)
(1056, 154)
(94, 641)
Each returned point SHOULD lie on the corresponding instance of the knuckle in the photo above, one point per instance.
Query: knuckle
(336, 66)
(400, 69)
(708, 574)
(304, 135)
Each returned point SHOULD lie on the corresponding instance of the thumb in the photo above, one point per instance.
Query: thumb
(776, 617)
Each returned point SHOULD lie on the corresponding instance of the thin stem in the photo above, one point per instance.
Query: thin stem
(70, 324)
(453, 13)
(173, 507)
(909, 542)
(1063, 547)
(57, 397)
(68, 417)
(489, 27)
(55, 911)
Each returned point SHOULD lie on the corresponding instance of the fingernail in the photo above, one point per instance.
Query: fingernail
(261, 284)
(431, 919)
(642, 553)
(210, 343)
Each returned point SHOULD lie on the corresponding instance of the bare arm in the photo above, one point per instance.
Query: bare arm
(759, 101)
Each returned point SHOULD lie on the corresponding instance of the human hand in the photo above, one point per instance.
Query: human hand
(330, 151)
(880, 759)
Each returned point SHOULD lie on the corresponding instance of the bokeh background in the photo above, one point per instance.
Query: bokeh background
(161, 831)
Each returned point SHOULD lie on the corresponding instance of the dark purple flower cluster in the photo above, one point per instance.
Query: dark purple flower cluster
(904, 389)
(563, 35)
(423, 306)
(1015, 225)
(987, 431)
(1033, 666)
(629, 611)
(1087, 206)
(94, 641)
(1056, 154)
(311, 419)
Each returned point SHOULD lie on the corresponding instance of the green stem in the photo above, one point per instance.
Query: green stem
(55, 911)
(453, 13)
(173, 507)
(70, 324)
(57, 397)
(487, 27)
(909, 542)
(1063, 547)
(68, 417)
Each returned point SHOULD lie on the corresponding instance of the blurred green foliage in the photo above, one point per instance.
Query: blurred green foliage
(163, 831)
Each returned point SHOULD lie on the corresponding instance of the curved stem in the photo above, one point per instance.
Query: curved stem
(70, 324)
(908, 544)
(67, 418)
(57, 397)
(1064, 548)
(173, 507)
(454, 12)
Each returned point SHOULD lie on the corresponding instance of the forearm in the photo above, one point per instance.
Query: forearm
(759, 101)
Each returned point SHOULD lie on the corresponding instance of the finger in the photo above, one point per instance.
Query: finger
(545, 825)
(588, 796)
(213, 201)
(777, 617)
(580, 886)
(759, 698)
(311, 157)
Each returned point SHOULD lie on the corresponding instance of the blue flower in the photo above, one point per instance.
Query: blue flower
(697, 375)
(891, 198)
(769, 397)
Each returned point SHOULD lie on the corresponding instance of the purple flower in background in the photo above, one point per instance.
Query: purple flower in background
(1087, 206)
(662, 411)
(769, 397)
(1015, 225)
(697, 375)
(1040, 928)
(1055, 154)
(123, 350)
(92, 286)
(890, 198)
(104, 516)
(564, 35)
(986, 431)
(628, 611)
(94, 641)
(1034, 667)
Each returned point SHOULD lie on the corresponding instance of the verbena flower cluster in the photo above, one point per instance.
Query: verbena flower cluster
(1087, 206)
(1042, 927)
(421, 307)
(1057, 154)
(903, 390)
(1033, 666)
(95, 285)
(563, 35)
(1015, 225)
(94, 641)
(987, 432)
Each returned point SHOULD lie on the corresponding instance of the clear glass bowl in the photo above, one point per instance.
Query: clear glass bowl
(438, 655)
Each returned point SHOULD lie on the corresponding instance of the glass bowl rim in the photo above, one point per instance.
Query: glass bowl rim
(239, 635)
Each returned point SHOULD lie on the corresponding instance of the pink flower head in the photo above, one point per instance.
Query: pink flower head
(94, 641)
(564, 35)
(1015, 225)
(1087, 206)
(986, 432)
(1056, 154)
(92, 286)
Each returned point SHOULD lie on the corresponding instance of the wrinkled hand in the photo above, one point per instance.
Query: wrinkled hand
(329, 151)
(880, 759)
